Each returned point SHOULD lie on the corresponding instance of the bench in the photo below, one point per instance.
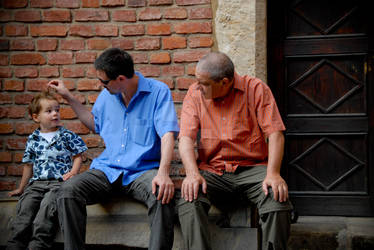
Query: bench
(124, 222)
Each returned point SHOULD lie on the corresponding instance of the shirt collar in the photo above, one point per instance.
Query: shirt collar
(238, 82)
(143, 84)
(36, 132)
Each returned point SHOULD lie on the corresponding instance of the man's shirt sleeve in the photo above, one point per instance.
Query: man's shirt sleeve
(190, 122)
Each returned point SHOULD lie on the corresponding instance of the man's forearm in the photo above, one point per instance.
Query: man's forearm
(276, 149)
(83, 113)
(187, 153)
(167, 149)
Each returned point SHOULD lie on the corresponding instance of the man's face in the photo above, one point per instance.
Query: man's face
(110, 84)
(212, 89)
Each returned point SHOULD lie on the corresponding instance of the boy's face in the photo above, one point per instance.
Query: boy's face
(49, 115)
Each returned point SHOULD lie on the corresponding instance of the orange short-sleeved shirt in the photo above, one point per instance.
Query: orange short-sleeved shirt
(233, 128)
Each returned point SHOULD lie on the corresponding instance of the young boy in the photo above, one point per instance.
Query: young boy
(55, 154)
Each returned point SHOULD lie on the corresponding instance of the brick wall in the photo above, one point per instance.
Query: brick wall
(46, 39)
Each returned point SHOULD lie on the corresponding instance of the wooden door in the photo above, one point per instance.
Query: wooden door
(320, 68)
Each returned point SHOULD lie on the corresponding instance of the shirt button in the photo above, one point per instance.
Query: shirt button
(223, 118)
(125, 129)
(224, 134)
(117, 160)
(122, 145)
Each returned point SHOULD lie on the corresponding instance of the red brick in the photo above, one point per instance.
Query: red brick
(73, 71)
(123, 43)
(57, 16)
(91, 15)
(30, 72)
(36, 85)
(90, 3)
(98, 44)
(27, 58)
(3, 112)
(200, 13)
(5, 16)
(92, 98)
(184, 83)
(72, 44)
(91, 71)
(149, 70)
(189, 56)
(15, 170)
(25, 128)
(132, 30)
(16, 30)
(106, 30)
(4, 44)
(81, 30)
(160, 2)
(49, 30)
(178, 96)
(5, 157)
(192, 28)
(89, 84)
(140, 57)
(112, 3)
(93, 142)
(23, 99)
(49, 72)
(6, 128)
(168, 81)
(200, 42)
(147, 44)
(4, 60)
(191, 2)
(124, 16)
(150, 14)
(85, 57)
(77, 127)
(173, 70)
(13, 85)
(47, 44)
(160, 58)
(175, 13)
(159, 29)
(17, 157)
(67, 113)
(136, 3)
(41, 3)
(5, 72)
(27, 16)
(22, 44)
(191, 69)
(59, 58)
(5, 99)
(7, 185)
(176, 42)
(17, 112)
(13, 4)
(67, 4)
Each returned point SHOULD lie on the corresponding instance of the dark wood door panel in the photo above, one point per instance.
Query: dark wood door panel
(321, 72)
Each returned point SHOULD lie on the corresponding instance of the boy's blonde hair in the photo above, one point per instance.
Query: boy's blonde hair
(35, 107)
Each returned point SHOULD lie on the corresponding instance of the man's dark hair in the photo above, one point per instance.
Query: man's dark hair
(218, 65)
(115, 62)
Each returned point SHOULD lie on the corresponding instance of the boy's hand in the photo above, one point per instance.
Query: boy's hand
(15, 192)
(68, 175)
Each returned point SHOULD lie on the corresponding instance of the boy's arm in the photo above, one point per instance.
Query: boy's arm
(26, 175)
(77, 163)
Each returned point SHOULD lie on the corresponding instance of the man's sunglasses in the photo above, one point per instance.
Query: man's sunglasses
(105, 82)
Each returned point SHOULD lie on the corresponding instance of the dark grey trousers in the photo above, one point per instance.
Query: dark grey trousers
(246, 186)
(91, 187)
(36, 222)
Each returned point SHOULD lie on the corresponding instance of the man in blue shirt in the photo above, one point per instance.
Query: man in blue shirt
(136, 118)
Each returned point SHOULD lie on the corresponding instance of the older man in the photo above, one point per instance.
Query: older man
(239, 152)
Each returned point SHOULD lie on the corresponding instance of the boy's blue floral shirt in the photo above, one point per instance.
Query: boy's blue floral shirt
(51, 160)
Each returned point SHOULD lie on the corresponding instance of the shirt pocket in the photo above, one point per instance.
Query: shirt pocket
(142, 132)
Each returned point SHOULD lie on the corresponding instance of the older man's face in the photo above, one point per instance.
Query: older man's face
(212, 89)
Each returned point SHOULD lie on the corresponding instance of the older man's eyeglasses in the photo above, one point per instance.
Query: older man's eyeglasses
(105, 82)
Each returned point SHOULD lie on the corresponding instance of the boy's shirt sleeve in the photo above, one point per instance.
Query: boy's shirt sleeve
(29, 154)
(75, 143)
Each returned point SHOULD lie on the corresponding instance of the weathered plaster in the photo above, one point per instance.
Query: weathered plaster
(240, 32)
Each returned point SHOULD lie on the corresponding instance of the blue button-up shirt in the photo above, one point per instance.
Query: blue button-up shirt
(51, 160)
(132, 134)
